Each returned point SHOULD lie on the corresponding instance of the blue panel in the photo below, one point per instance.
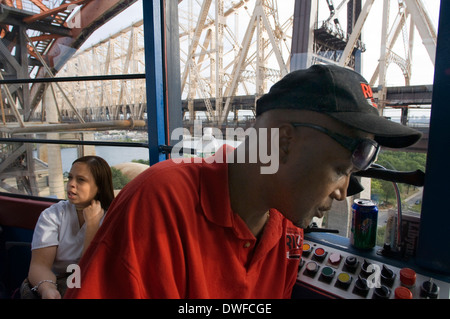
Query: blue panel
(434, 239)
(154, 69)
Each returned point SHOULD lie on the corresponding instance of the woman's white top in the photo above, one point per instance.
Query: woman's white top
(58, 225)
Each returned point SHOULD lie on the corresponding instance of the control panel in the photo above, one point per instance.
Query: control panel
(338, 274)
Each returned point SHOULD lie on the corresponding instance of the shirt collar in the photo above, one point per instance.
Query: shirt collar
(214, 193)
(215, 202)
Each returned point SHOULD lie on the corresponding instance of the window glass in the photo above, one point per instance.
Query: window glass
(87, 102)
(228, 51)
(230, 54)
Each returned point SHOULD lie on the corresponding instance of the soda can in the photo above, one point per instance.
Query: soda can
(364, 224)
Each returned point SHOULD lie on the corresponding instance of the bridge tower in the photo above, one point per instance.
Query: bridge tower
(37, 38)
(324, 41)
(315, 41)
(231, 51)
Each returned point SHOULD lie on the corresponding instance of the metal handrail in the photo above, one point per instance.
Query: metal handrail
(77, 78)
(71, 142)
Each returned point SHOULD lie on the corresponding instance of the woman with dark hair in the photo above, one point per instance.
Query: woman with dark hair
(65, 230)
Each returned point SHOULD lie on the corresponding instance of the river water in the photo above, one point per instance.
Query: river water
(113, 155)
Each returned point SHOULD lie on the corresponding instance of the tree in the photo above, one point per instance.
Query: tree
(119, 180)
(400, 161)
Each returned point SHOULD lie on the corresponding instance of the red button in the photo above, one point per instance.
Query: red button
(319, 251)
(407, 277)
(403, 293)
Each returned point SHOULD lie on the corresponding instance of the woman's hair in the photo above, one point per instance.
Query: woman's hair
(103, 178)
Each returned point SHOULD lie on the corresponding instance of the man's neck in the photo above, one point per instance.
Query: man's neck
(246, 198)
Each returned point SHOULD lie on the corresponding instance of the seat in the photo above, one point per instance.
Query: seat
(18, 257)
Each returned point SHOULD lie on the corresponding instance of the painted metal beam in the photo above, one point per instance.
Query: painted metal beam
(424, 26)
(155, 63)
(54, 11)
(355, 33)
(433, 243)
(93, 15)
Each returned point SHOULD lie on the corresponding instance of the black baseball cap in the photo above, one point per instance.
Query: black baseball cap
(340, 93)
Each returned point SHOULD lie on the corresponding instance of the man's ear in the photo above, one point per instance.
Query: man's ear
(286, 132)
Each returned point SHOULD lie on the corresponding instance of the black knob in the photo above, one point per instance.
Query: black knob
(382, 292)
(361, 288)
(300, 265)
(387, 276)
(350, 264)
(429, 290)
(366, 270)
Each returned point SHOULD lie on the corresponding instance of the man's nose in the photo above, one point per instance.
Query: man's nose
(340, 193)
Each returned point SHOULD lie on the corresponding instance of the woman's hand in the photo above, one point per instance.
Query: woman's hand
(93, 214)
(48, 290)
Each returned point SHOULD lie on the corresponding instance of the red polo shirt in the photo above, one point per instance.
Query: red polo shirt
(171, 233)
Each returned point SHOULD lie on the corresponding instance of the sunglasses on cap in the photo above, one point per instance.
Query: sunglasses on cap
(364, 151)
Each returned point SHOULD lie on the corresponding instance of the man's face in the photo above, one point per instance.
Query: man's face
(316, 170)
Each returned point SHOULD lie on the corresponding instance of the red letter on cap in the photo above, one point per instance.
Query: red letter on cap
(368, 94)
(367, 90)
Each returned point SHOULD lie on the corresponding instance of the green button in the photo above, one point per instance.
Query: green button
(328, 271)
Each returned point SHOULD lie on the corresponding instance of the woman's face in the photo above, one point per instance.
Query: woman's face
(81, 187)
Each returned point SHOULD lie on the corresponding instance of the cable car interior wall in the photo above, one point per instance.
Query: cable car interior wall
(330, 267)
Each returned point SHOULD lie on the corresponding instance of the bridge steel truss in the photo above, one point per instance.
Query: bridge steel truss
(219, 59)
(37, 38)
(103, 100)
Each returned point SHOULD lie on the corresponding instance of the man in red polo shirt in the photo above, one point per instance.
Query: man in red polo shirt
(224, 229)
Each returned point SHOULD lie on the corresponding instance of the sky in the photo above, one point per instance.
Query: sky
(123, 20)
